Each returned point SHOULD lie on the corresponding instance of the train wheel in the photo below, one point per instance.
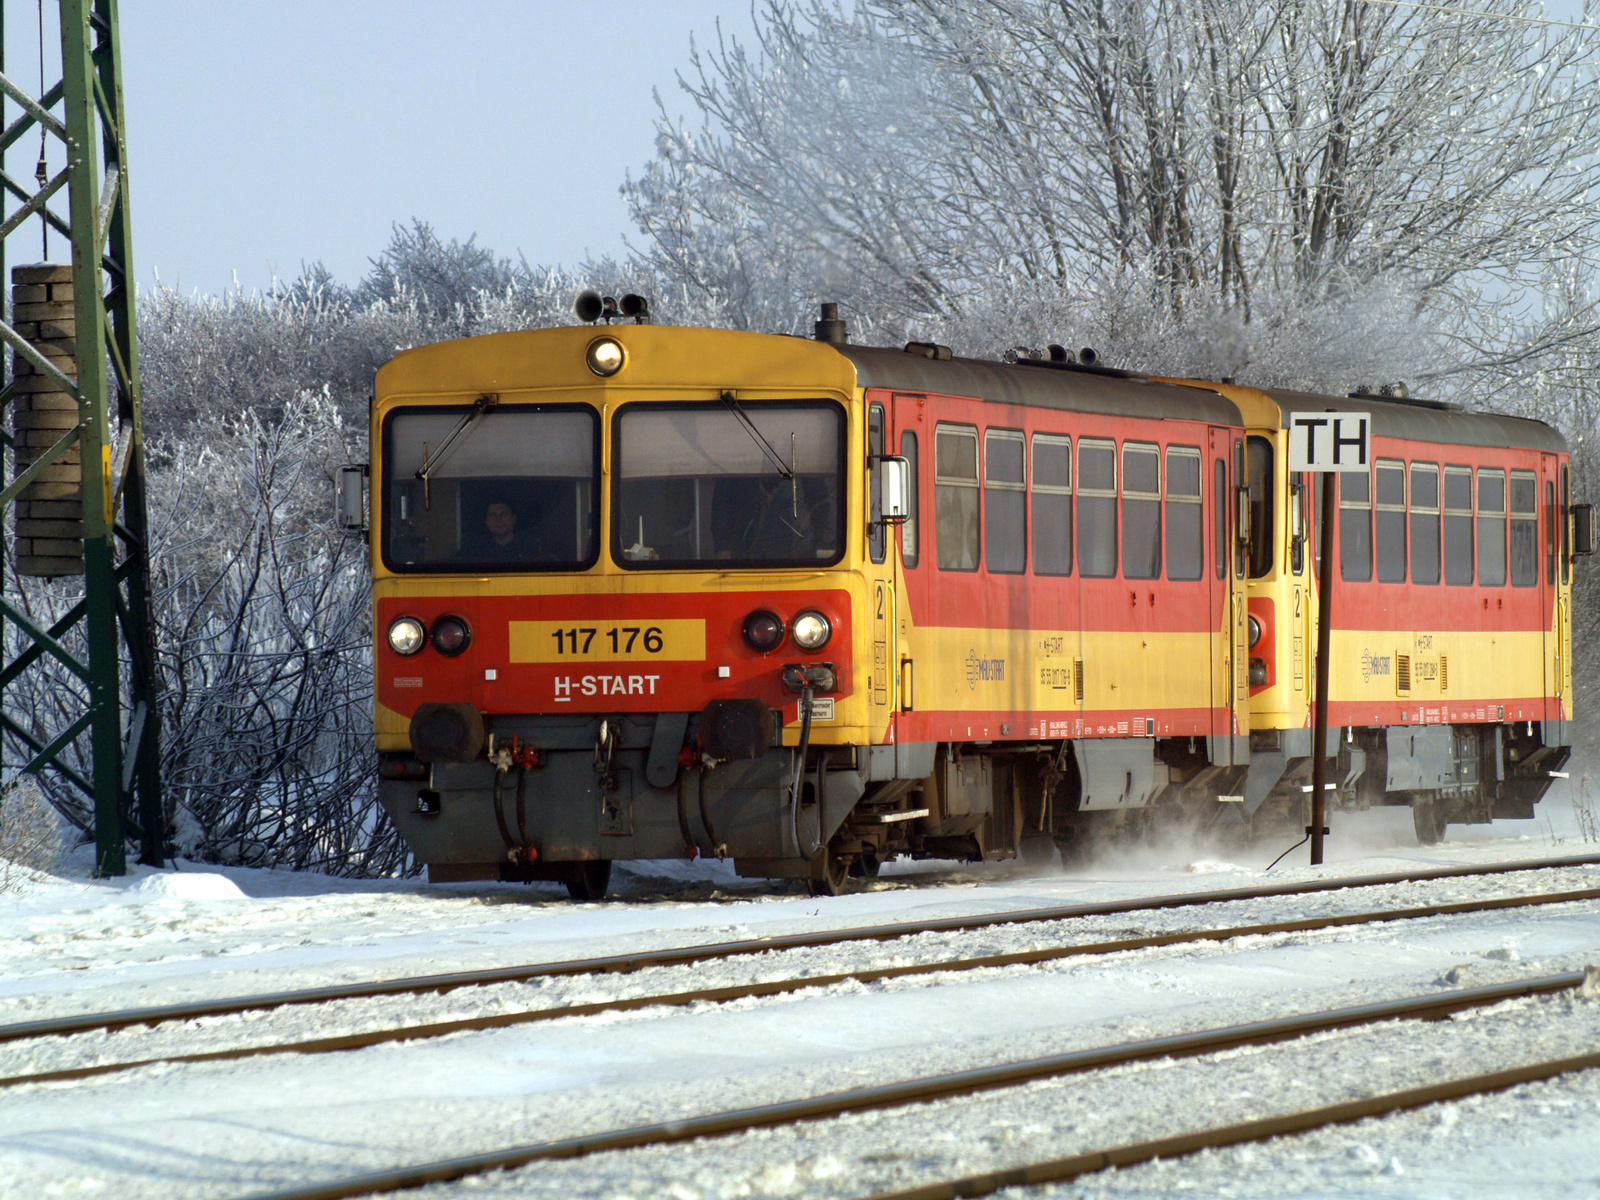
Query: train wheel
(1035, 850)
(1427, 818)
(1075, 845)
(865, 865)
(830, 875)
(590, 880)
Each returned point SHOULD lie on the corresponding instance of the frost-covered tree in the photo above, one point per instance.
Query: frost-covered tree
(1275, 164)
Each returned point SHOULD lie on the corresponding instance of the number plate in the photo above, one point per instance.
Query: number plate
(608, 641)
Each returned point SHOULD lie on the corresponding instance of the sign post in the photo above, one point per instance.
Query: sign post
(1326, 443)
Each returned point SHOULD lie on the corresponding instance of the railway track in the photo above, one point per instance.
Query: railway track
(779, 987)
(1005, 1075)
(623, 964)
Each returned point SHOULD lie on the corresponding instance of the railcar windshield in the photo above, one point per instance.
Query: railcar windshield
(491, 488)
(735, 483)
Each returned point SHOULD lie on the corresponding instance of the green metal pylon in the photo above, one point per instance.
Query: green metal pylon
(84, 112)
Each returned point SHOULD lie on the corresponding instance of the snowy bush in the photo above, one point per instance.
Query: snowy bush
(31, 838)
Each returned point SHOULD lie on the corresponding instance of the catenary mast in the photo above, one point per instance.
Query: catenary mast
(73, 485)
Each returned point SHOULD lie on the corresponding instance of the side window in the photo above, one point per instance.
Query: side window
(1052, 504)
(1424, 523)
(1220, 517)
(1550, 531)
(1262, 480)
(955, 497)
(1355, 527)
(1458, 526)
(1390, 517)
(1141, 511)
(1185, 524)
(878, 534)
(1097, 508)
(909, 552)
(1491, 528)
(1005, 502)
(1524, 529)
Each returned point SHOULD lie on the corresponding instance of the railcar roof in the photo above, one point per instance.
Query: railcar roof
(1038, 385)
(1429, 422)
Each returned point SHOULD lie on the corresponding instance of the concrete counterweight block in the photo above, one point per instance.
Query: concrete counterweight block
(49, 514)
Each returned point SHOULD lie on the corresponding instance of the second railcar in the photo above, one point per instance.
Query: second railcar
(1451, 668)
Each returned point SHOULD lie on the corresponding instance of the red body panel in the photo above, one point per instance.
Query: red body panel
(609, 687)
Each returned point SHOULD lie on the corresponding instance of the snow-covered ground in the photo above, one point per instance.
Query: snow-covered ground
(71, 944)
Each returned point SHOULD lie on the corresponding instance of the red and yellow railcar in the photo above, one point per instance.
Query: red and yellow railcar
(645, 592)
(1450, 687)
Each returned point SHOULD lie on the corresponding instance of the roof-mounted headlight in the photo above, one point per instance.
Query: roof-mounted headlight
(605, 356)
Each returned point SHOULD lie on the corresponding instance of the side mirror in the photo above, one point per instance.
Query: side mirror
(350, 501)
(894, 489)
(1582, 529)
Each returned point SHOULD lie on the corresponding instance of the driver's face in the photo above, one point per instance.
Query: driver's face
(500, 521)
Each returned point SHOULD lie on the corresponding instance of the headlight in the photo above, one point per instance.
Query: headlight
(406, 636)
(604, 356)
(1255, 631)
(763, 630)
(811, 631)
(451, 636)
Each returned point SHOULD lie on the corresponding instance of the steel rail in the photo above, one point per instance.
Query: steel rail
(623, 964)
(778, 987)
(932, 1087)
(1061, 1170)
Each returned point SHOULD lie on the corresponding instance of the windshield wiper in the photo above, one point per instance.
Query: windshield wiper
(750, 428)
(430, 462)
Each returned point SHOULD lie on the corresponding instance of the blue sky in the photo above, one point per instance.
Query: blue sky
(264, 135)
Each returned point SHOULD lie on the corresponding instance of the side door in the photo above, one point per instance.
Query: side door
(881, 564)
(908, 435)
(1229, 671)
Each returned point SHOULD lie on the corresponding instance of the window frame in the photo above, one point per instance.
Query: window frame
(992, 436)
(1365, 507)
(877, 446)
(1083, 494)
(961, 430)
(615, 482)
(1197, 500)
(1413, 511)
(1529, 516)
(1484, 516)
(910, 535)
(1448, 472)
(597, 532)
(1037, 489)
(1263, 550)
(1382, 506)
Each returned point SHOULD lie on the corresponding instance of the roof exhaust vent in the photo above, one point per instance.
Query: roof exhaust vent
(830, 328)
(1060, 354)
(1088, 357)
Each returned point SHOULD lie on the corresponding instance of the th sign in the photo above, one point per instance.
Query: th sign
(1329, 441)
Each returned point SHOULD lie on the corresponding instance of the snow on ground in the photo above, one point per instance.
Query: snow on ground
(72, 944)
